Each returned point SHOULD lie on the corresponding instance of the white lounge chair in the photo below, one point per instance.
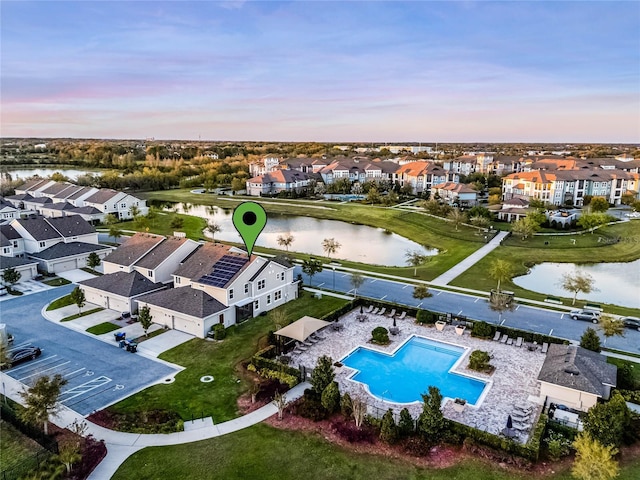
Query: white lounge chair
(370, 309)
(402, 315)
(392, 313)
(509, 341)
(376, 311)
(519, 342)
(504, 338)
(545, 347)
(496, 337)
(381, 312)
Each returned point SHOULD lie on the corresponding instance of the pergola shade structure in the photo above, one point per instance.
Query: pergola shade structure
(301, 329)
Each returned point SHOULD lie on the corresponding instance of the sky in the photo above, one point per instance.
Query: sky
(322, 71)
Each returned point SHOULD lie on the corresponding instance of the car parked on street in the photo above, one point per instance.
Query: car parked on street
(631, 322)
(585, 315)
(22, 354)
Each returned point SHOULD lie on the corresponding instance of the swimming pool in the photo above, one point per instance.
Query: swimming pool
(407, 373)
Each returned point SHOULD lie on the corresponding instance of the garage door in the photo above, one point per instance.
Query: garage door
(118, 304)
(188, 326)
(94, 297)
(65, 266)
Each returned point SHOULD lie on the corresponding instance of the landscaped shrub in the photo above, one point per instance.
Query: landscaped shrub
(281, 376)
(482, 330)
(479, 361)
(331, 397)
(406, 424)
(380, 335)
(417, 447)
(625, 378)
(310, 406)
(346, 406)
(219, 331)
(323, 374)
(353, 434)
(632, 396)
(558, 446)
(388, 428)
(425, 317)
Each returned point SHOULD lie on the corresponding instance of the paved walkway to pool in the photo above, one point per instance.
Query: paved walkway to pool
(512, 383)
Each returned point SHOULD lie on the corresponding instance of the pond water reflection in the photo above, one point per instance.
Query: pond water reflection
(617, 283)
(360, 243)
(70, 173)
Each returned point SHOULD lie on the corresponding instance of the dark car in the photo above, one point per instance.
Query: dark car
(631, 322)
(22, 354)
(586, 315)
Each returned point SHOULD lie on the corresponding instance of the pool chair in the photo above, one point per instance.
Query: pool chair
(370, 309)
(392, 313)
(496, 337)
(520, 409)
(509, 341)
(519, 342)
(375, 311)
(504, 338)
(402, 315)
(381, 312)
(302, 347)
(545, 347)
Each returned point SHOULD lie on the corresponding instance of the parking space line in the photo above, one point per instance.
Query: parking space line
(45, 370)
(84, 388)
(405, 286)
(88, 397)
(22, 345)
(440, 292)
(31, 364)
(76, 371)
(476, 300)
(459, 312)
(382, 298)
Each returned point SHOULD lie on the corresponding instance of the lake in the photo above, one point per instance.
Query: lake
(617, 283)
(360, 243)
(70, 173)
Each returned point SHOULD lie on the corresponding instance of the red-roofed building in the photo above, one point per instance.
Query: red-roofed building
(456, 193)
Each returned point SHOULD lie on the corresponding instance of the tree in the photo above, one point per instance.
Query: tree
(501, 271)
(406, 425)
(213, 228)
(480, 221)
(525, 227)
(311, 267)
(373, 195)
(415, 259)
(457, 217)
(611, 327)
(598, 204)
(501, 302)
(388, 428)
(589, 221)
(145, 318)
(359, 410)
(110, 219)
(134, 211)
(330, 398)
(11, 276)
(285, 240)
(594, 461)
(40, 401)
(577, 282)
(69, 452)
(356, 282)
(280, 401)
(238, 184)
(330, 246)
(432, 206)
(421, 292)
(609, 422)
(115, 232)
(93, 260)
(323, 374)
(77, 297)
(431, 422)
(177, 223)
(590, 340)
(479, 360)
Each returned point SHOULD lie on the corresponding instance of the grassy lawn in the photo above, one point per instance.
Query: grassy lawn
(149, 336)
(60, 302)
(267, 453)
(192, 226)
(101, 328)
(83, 314)
(188, 395)
(15, 447)
(57, 282)
(524, 255)
(619, 362)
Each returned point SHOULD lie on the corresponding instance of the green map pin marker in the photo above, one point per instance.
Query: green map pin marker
(249, 218)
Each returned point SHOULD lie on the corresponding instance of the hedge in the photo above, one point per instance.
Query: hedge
(530, 450)
(631, 396)
(262, 363)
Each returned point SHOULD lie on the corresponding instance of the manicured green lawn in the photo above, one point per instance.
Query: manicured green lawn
(60, 302)
(267, 453)
(101, 328)
(82, 314)
(15, 447)
(618, 362)
(189, 396)
(57, 282)
(161, 225)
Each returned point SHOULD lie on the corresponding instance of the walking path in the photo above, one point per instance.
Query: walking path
(471, 260)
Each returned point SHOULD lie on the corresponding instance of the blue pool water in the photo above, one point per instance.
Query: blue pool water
(417, 365)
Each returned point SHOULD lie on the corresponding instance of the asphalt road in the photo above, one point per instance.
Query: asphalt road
(535, 319)
(99, 373)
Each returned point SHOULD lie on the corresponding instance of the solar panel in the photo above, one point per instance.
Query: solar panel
(223, 271)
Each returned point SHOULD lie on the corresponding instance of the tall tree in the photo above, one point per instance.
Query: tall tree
(609, 422)
(285, 240)
(41, 400)
(330, 246)
(311, 267)
(110, 219)
(611, 327)
(77, 297)
(93, 260)
(457, 217)
(115, 232)
(590, 340)
(589, 221)
(213, 228)
(525, 227)
(146, 319)
(415, 259)
(356, 282)
(577, 282)
(323, 374)
(594, 461)
(11, 276)
(598, 204)
(134, 211)
(500, 270)
(431, 422)
(421, 292)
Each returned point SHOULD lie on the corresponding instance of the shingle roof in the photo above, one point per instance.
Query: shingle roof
(133, 249)
(32, 184)
(56, 188)
(9, 232)
(123, 284)
(68, 192)
(38, 228)
(71, 226)
(62, 250)
(201, 261)
(282, 260)
(101, 196)
(42, 200)
(9, 262)
(160, 253)
(21, 197)
(186, 300)
(60, 206)
(87, 210)
(577, 368)
(79, 193)
(455, 187)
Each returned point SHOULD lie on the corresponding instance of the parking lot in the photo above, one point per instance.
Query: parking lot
(98, 373)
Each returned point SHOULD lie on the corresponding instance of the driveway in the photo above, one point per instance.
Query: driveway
(99, 373)
(76, 275)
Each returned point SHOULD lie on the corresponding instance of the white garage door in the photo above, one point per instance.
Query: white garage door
(188, 326)
(94, 297)
(65, 266)
(118, 304)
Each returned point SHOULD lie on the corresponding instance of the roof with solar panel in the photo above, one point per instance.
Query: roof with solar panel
(223, 271)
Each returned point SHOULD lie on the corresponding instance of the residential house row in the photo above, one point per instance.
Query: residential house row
(190, 286)
(58, 199)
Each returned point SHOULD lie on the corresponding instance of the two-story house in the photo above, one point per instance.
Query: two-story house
(116, 203)
(11, 241)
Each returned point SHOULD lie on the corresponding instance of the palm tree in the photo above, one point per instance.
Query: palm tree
(285, 240)
(611, 327)
(415, 259)
(356, 282)
(457, 217)
(213, 228)
(330, 246)
(500, 270)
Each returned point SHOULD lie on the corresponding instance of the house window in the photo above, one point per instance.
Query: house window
(123, 205)
(6, 250)
(231, 294)
(269, 299)
(256, 305)
(150, 273)
(246, 288)
(42, 244)
(278, 295)
(15, 244)
(177, 280)
(221, 318)
(261, 284)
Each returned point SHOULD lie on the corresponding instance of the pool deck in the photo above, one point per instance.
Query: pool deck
(513, 382)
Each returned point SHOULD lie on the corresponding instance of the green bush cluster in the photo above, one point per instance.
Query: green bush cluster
(219, 331)
(482, 330)
(282, 377)
(632, 396)
(380, 335)
(479, 361)
(261, 363)
(425, 317)
(558, 445)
